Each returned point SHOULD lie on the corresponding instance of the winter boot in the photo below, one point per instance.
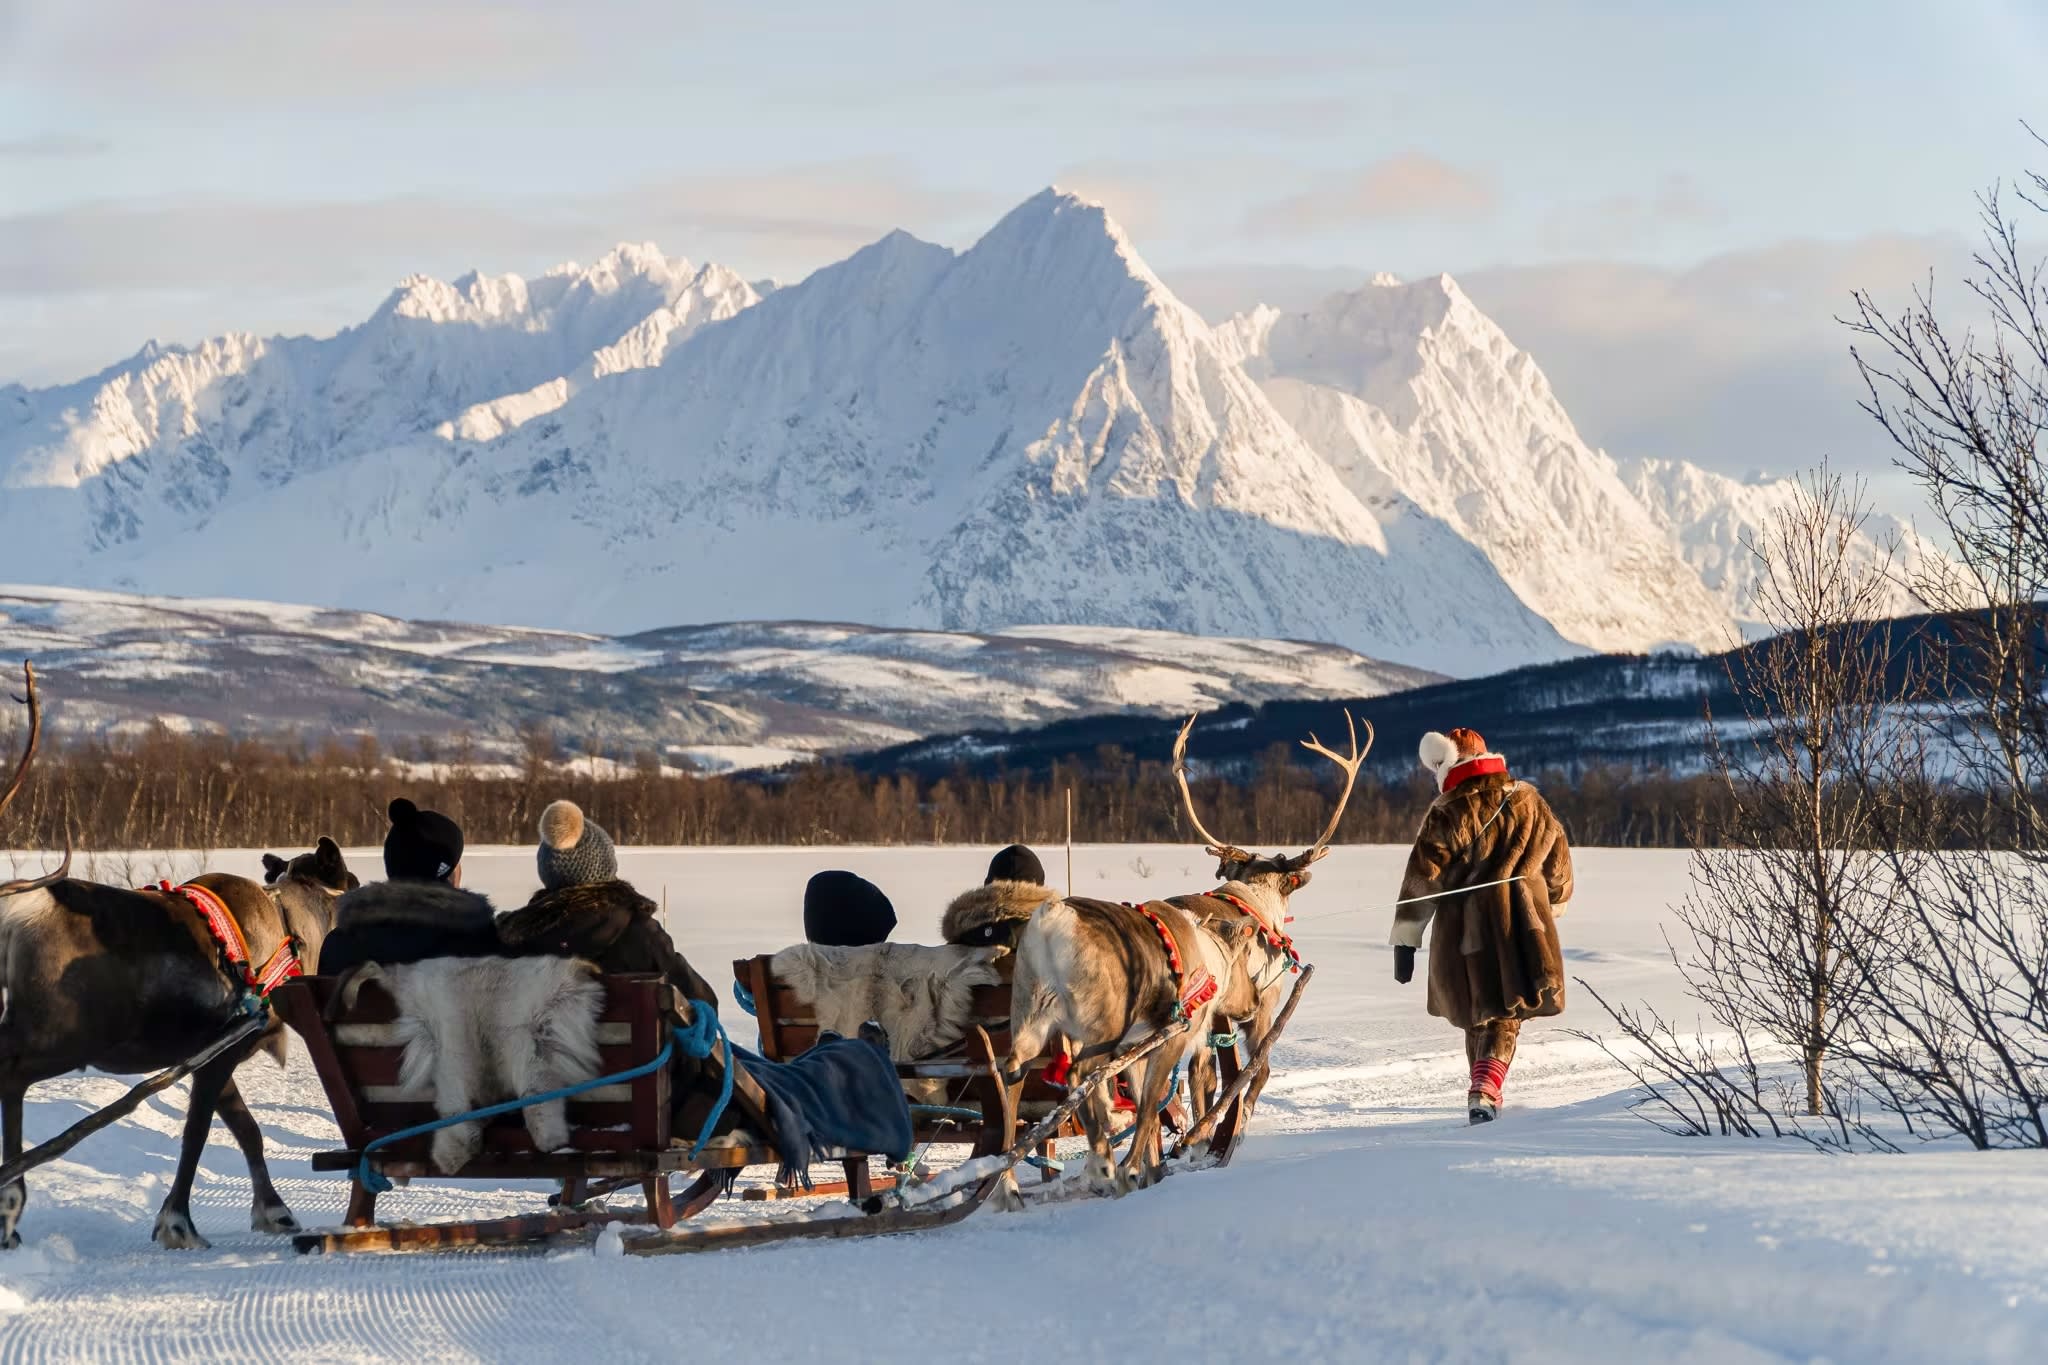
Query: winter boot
(1482, 1101)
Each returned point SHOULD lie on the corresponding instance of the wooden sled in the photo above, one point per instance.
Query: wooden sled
(916, 1209)
(963, 1077)
(619, 1134)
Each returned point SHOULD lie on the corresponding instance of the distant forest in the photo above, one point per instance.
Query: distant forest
(173, 791)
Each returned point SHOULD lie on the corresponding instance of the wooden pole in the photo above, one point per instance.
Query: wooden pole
(1070, 841)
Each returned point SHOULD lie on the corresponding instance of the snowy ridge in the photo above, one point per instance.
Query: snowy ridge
(717, 697)
(1408, 389)
(1031, 430)
(1714, 519)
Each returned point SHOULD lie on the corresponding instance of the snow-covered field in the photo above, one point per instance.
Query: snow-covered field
(1363, 1220)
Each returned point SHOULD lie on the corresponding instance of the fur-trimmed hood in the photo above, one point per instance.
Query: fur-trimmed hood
(427, 905)
(993, 914)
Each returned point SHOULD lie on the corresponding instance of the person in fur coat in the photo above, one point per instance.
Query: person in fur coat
(584, 910)
(994, 913)
(1494, 958)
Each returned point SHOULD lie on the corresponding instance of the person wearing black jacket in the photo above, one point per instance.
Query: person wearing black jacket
(421, 910)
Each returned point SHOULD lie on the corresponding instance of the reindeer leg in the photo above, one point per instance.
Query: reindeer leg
(1144, 1158)
(268, 1212)
(14, 1198)
(174, 1230)
(1095, 1122)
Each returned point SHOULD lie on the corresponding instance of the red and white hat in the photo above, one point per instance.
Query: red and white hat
(1458, 755)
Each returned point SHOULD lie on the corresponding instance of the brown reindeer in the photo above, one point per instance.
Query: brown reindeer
(1103, 976)
(1255, 894)
(129, 981)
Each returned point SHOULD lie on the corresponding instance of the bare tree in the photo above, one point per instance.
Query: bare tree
(1787, 871)
(1958, 1035)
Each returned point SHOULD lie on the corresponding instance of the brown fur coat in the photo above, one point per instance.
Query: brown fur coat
(1494, 953)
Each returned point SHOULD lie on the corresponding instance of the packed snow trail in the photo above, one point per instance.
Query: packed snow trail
(1363, 1220)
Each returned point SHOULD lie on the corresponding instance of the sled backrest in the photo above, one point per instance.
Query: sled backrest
(357, 1056)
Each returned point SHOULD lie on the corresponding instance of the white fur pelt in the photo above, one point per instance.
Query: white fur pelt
(923, 995)
(478, 1031)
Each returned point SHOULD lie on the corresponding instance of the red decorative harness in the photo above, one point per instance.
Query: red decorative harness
(282, 965)
(1270, 936)
(1191, 989)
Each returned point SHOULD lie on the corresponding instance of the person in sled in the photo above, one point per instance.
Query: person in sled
(996, 911)
(420, 910)
(842, 910)
(1494, 959)
(584, 910)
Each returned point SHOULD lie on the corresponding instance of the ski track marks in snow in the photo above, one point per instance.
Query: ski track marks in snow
(1362, 1221)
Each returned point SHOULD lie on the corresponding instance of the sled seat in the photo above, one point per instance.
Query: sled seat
(961, 1077)
(619, 1135)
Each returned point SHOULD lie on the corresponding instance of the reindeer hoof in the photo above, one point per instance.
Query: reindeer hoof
(10, 1241)
(174, 1232)
(273, 1218)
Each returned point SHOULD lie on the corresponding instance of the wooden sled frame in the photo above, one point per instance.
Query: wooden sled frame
(619, 1134)
(968, 1072)
(890, 1213)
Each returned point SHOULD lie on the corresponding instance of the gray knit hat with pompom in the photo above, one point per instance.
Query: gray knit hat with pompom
(573, 851)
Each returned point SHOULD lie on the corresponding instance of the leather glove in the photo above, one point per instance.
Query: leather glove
(1404, 965)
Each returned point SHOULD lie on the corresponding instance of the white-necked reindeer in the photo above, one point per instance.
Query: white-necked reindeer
(1255, 891)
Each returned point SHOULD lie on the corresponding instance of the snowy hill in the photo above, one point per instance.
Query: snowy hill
(1031, 430)
(1714, 519)
(711, 696)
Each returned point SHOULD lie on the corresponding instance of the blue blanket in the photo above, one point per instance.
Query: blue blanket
(842, 1093)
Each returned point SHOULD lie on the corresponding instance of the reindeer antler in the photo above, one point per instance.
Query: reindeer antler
(1350, 766)
(1222, 850)
(28, 754)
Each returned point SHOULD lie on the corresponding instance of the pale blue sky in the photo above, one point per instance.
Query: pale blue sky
(182, 169)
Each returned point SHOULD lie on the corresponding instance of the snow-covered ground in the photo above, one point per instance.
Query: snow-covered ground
(1362, 1221)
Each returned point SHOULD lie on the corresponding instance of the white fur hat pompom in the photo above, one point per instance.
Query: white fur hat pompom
(1438, 751)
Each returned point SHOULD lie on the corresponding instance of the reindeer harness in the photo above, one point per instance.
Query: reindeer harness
(1191, 989)
(1270, 935)
(257, 984)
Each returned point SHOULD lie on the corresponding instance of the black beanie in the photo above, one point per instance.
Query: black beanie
(845, 911)
(423, 845)
(1016, 864)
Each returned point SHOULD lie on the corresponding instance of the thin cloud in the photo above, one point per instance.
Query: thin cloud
(784, 222)
(53, 147)
(1412, 185)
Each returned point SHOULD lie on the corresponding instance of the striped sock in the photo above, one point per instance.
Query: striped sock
(1489, 1074)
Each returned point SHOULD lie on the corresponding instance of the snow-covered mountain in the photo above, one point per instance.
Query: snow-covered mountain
(1031, 430)
(720, 696)
(1714, 519)
(1408, 389)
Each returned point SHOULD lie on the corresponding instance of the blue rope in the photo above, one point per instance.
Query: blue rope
(697, 1040)
(744, 996)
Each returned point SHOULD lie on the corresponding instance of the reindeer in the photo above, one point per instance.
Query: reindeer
(1104, 976)
(128, 981)
(1255, 893)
